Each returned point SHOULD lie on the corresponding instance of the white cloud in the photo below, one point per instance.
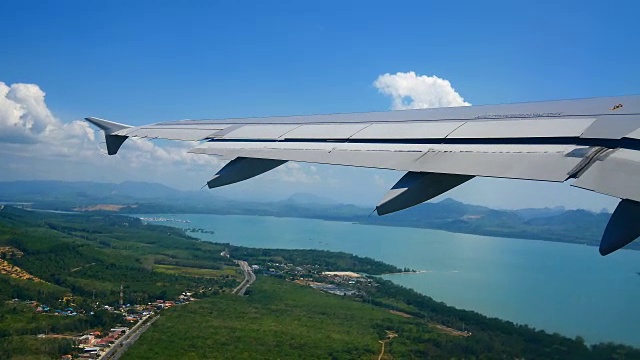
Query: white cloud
(296, 173)
(30, 134)
(23, 113)
(379, 181)
(411, 91)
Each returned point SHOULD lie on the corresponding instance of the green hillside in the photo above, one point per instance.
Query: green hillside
(279, 320)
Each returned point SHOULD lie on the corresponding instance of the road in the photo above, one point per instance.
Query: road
(122, 344)
(249, 277)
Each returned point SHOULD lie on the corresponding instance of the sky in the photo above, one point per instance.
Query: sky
(140, 62)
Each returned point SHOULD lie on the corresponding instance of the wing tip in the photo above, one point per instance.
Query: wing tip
(109, 128)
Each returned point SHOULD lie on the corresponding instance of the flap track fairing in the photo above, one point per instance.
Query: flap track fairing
(417, 187)
(242, 168)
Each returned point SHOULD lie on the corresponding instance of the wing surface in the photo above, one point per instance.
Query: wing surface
(595, 141)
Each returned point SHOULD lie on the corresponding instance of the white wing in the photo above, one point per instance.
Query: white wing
(595, 141)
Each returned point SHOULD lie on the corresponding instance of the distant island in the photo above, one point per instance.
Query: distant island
(551, 224)
(98, 283)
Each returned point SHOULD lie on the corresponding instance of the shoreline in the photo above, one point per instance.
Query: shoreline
(408, 272)
(502, 236)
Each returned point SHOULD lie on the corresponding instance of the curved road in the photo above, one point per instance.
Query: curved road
(249, 278)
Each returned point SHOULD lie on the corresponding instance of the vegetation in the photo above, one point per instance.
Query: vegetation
(279, 320)
(285, 320)
(85, 259)
(30, 347)
(322, 259)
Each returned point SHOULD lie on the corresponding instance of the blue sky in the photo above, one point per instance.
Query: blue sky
(147, 61)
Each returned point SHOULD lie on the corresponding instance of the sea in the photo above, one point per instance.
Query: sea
(557, 287)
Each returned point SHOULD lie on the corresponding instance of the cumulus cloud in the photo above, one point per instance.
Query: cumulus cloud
(28, 129)
(23, 113)
(411, 91)
(380, 181)
(297, 173)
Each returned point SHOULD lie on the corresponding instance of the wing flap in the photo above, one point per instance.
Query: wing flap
(531, 162)
(616, 174)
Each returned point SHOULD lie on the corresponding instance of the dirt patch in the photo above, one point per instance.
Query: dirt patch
(400, 313)
(15, 272)
(450, 331)
(342, 273)
(104, 207)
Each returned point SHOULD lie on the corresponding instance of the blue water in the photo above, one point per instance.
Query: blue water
(564, 288)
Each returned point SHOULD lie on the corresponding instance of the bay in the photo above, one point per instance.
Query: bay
(565, 288)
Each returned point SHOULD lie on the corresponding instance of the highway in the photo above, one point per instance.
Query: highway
(249, 277)
(122, 344)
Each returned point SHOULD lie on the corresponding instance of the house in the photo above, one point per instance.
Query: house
(103, 342)
(87, 340)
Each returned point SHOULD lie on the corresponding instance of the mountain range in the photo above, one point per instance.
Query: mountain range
(553, 224)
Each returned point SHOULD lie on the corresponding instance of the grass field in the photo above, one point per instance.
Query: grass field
(197, 272)
(280, 320)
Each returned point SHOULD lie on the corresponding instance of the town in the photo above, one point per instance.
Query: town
(97, 343)
(101, 343)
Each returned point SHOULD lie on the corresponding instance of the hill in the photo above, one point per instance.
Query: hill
(552, 224)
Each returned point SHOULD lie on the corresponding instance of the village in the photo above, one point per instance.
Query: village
(107, 342)
(343, 283)
(94, 344)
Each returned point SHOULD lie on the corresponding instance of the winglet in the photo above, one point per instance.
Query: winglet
(109, 127)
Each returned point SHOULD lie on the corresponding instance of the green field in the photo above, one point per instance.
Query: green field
(280, 320)
(284, 320)
(198, 272)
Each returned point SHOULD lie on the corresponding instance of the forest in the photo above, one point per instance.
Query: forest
(84, 259)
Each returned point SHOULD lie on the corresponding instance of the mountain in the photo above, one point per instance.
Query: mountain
(34, 190)
(532, 213)
(311, 199)
(553, 224)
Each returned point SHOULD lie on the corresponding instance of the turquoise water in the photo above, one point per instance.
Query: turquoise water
(564, 288)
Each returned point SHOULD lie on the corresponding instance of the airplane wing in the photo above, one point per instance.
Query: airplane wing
(594, 141)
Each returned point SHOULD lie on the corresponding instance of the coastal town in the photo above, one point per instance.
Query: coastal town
(106, 343)
(102, 343)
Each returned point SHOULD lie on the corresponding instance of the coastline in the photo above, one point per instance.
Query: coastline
(475, 233)
(460, 265)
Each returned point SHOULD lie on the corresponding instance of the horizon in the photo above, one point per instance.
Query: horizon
(319, 199)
